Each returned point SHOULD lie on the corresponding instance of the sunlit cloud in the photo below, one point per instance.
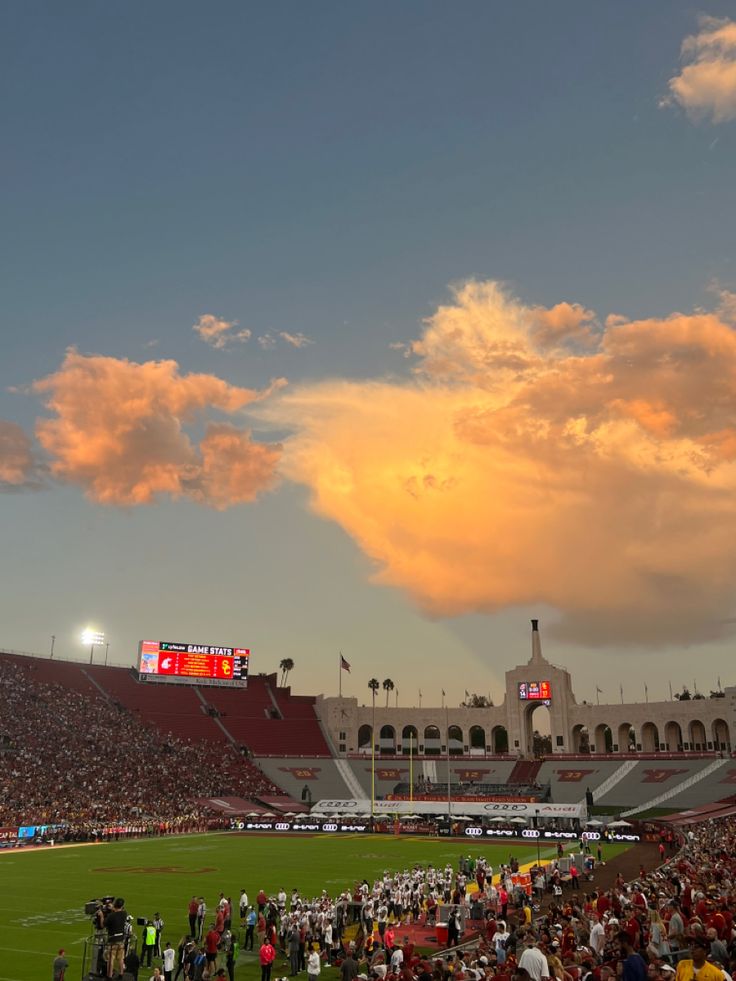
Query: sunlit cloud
(118, 430)
(705, 86)
(19, 467)
(220, 333)
(270, 339)
(537, 457)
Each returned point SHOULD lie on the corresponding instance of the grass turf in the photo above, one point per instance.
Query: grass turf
(44, 891)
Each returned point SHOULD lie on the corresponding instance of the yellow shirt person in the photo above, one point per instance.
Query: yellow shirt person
(698, 969)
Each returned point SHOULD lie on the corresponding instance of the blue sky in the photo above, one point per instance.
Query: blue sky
(327, 169)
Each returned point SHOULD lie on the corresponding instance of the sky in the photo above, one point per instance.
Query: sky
(375, 329)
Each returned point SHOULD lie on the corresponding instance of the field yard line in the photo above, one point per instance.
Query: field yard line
(38, 953)
(10, 979)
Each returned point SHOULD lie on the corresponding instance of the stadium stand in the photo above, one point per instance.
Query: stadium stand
(71, 753)
(318, 774)
(649, 778)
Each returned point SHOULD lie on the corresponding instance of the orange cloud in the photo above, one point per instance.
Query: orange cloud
(706, 85)
(219, 333)
(118, 431)
(19, 468)
(598, 479)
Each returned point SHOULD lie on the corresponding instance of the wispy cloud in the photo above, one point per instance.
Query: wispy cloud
(19, 467)
(270, 339)
(705, 86)
(220, 333)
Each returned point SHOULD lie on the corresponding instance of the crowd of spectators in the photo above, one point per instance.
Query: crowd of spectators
(673, 923)
(81, 760)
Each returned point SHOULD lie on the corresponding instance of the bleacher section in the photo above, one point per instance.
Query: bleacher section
(569, 780)
(248, 716)
(318, 774)
(390, 772)
(649, 778)
(269, 721)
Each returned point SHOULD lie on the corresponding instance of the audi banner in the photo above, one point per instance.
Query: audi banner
(300, 827)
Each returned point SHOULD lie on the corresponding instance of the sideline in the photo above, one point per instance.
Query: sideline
(33, 849)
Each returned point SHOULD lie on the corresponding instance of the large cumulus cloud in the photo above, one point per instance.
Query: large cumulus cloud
(540, 456)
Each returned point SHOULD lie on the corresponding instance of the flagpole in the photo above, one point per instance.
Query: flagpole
(373, 760)
(339, 673)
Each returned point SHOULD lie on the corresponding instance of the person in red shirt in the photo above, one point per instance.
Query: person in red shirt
(633, 930)
(261, 899)
(192, 912)
(220, 922)
(266, 956)
(211, 943)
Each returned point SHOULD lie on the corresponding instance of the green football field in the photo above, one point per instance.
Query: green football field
(44, 890)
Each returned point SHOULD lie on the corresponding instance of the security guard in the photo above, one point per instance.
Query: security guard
(148, 943)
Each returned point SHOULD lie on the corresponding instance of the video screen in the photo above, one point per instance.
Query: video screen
(536, 691)
(166, 658)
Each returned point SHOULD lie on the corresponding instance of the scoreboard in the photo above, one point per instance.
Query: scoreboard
(165, 660)
(535, 691)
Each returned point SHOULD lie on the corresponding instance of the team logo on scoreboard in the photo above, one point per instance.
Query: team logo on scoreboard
(572, 776)
(660, 776)
(302, 772)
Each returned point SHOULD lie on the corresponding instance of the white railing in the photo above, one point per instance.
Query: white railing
(616, 777)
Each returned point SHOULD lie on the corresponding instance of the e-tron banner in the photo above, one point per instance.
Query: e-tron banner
(491, 809)
(301, 827)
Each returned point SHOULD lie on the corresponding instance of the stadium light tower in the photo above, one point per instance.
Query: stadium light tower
(95, 639)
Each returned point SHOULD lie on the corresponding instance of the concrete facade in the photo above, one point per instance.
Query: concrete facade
(695, 725)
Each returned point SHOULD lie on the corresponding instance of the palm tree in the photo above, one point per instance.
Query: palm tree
(388, 687)
(374, 684)
(286, 666)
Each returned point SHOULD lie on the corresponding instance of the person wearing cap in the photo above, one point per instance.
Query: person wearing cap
(696, 967)
(60, 965)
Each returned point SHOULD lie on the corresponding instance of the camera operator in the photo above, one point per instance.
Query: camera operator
(115, 923)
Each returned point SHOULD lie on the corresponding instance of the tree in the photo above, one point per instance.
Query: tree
(388, 687)
(374, 684)
(286, 666)
(475, 701)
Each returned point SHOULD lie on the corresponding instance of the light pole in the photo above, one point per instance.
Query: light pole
(53, 640)
(107, 648)
(94, 638)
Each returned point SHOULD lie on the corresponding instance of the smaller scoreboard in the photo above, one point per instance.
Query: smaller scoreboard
(535, 691)
(165, 660)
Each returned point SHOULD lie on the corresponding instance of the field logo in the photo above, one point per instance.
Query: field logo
(302, 772)
(660, 776)
(572, 776)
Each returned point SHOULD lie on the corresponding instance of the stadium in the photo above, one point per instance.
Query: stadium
(208, 751)
(383, 355)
